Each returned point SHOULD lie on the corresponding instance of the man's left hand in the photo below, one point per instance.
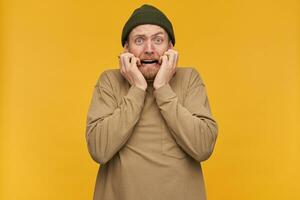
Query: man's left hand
(167, 69)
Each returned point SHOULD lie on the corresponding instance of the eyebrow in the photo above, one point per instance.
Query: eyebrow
(143, 35)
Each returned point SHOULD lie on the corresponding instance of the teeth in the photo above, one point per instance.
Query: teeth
(149, 61)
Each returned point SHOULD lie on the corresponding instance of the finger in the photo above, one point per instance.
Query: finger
(133, 61)
(164, 60)
(166, 54)
(170, 58)
(174, 63)
(160, 60)
(130, 59)
(126, 58)
(138, 62)
(173, 51)
(122, 69)
(126, 54)
(176, 60)
(121, 64)
(125, 63)
(174, 57)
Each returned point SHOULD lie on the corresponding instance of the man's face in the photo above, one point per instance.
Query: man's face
(148, 42)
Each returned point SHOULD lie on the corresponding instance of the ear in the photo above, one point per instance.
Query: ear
(126, 47)
(171, 45)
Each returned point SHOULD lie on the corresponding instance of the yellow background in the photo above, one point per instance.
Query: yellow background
(246, 51)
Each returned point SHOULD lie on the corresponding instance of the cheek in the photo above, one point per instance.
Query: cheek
(161, 51)
(136, 51)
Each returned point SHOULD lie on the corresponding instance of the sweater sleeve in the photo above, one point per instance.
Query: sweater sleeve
(191, 124)
(109, 123)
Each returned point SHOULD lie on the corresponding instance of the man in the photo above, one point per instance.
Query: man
(149, 123)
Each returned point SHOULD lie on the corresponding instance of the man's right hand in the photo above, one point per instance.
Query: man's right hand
(128, 68)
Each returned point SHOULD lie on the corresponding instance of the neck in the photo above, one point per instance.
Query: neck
(150, 81)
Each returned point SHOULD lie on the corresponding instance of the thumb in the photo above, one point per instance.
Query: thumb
(164, 59)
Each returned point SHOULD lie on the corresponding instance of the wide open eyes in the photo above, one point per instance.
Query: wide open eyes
(139, 41)
(157, 40)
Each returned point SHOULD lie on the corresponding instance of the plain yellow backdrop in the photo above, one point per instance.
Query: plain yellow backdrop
(52, 53)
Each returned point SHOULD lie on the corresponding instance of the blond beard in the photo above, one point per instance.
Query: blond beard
(149, 72)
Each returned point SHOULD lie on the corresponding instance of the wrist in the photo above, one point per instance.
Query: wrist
(141, 87)
(156, 86)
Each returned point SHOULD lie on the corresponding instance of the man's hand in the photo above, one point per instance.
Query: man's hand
(167, 69)
(128, 67)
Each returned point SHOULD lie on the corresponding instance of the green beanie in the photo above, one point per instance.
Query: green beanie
(147, 14)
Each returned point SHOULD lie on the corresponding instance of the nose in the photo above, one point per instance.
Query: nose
(149, 47)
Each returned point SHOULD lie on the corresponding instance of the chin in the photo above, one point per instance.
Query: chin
(149, 72)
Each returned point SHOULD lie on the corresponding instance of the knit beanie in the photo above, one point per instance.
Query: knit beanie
(147, 14)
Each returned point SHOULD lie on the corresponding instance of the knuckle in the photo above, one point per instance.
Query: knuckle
(128, 54)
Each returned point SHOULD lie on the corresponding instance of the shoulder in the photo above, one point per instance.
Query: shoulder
(189, 74)
(186, 71)
(110, 77)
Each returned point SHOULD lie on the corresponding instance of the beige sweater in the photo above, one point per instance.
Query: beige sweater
(150, 143)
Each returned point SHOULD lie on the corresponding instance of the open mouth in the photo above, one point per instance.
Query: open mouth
(149, 61)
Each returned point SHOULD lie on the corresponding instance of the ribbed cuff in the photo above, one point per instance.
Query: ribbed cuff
(164, 94)
(137, 95)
